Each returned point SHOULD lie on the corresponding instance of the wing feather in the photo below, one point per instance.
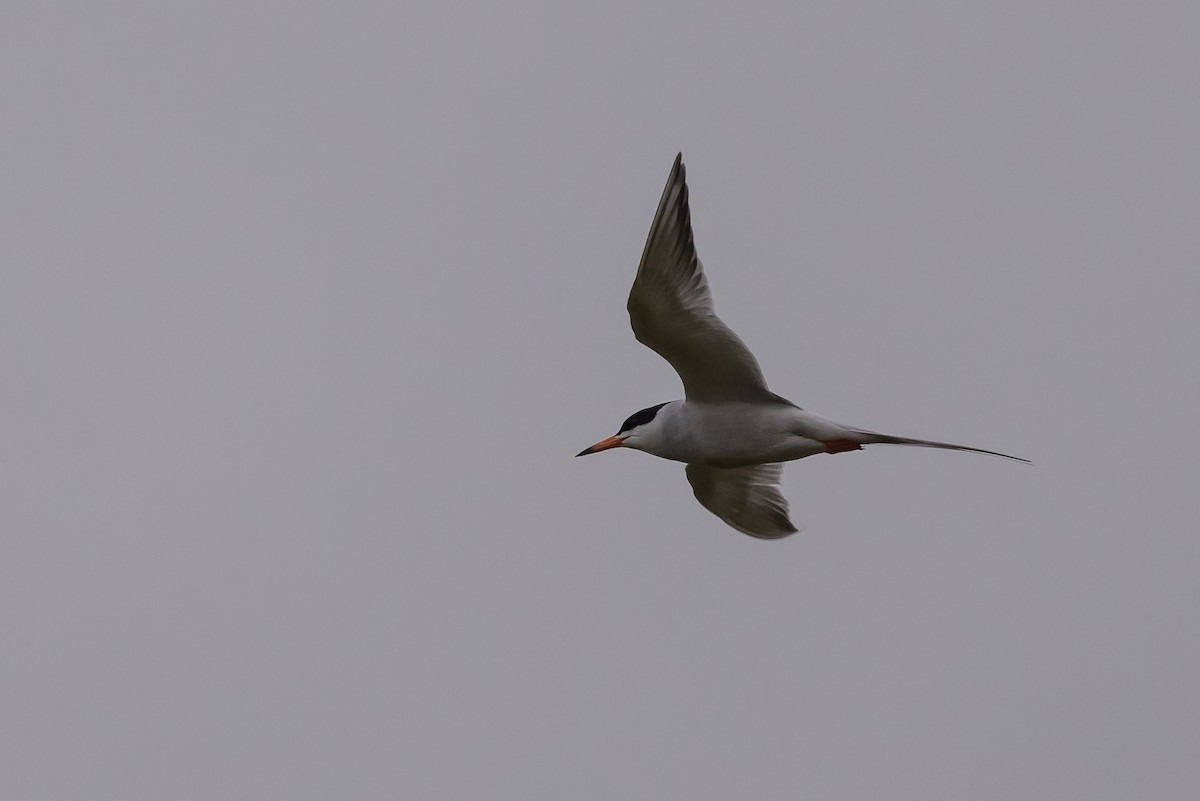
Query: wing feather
(746, 498)
(671, 310)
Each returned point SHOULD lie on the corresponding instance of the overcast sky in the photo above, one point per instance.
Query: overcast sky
(305, 309)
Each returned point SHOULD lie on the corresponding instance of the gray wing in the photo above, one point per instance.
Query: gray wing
(746, 498)
(671, 309)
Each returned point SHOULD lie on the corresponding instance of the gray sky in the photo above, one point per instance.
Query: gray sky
(305, 309)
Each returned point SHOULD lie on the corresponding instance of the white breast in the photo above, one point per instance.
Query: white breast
(735, 434)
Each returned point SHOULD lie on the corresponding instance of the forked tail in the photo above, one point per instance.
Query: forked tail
(872, 438)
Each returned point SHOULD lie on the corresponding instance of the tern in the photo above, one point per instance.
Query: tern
(731, 431)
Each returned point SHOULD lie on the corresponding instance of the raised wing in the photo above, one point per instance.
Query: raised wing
(671, 309)
(746, 498)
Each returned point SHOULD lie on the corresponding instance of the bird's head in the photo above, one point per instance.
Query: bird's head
(638, 429)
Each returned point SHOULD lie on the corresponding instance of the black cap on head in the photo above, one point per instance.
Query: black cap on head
(640, 418)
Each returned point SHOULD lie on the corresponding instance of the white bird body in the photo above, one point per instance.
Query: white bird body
(731, 431)
(736, 434)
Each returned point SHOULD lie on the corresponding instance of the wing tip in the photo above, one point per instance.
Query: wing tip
(774, 534)
(678, 170)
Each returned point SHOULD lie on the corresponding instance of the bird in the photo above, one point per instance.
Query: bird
(732, 432)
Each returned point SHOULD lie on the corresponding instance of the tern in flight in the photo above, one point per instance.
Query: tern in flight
(731, 431)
